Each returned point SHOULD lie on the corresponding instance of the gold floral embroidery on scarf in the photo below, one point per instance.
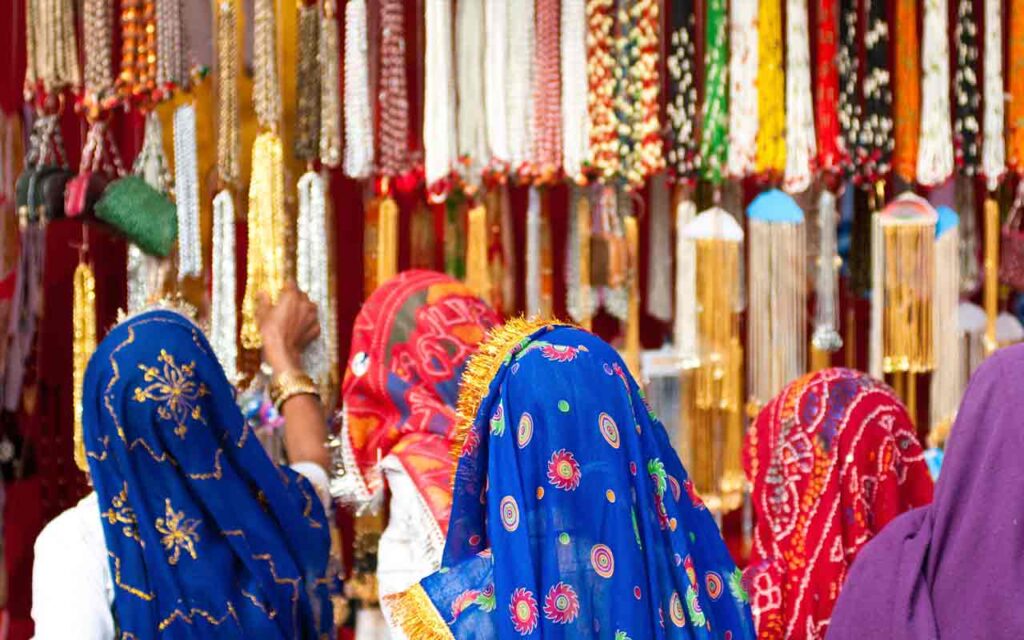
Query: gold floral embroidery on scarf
(178, 532)
(120, 513)
(175, 388)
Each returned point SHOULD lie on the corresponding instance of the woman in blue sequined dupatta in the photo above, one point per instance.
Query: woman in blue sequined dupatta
(572, 516)
(192, 530)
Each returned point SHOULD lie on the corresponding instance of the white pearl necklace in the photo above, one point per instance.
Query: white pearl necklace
(358, 117)
(311, 266)
(439, 146)
(935, 153)
(801, 146)
(223, 314)
(186, 192)
(993, 148)
(575, 120)
(743, 60)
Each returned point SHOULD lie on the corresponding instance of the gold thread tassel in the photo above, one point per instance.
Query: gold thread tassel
(478, 276)
(717, 382)
(991, 273)
(84, 326)
(413, 612)
(903, 281)
(387, 240)
(633, 316)
(265, 259)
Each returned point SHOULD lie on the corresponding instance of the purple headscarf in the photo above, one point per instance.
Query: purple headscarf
(954, 569)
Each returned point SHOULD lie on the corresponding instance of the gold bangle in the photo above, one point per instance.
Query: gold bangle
(289, 384)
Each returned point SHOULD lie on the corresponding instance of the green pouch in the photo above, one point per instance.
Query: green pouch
(140, 213)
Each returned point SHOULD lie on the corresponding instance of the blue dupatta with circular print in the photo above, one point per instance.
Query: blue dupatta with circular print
(206, 536)
(573, 517)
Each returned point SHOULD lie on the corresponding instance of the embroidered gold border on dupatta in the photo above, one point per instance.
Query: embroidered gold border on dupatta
(483, 366)
(413, 612)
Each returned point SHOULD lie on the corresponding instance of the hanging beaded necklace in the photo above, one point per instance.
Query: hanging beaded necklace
(715, 142)
(683, 148)
(393, 97)
(604, 159)
(968, 96)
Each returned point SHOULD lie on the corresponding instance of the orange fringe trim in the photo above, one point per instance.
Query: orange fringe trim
(416, 615)
(483, 366)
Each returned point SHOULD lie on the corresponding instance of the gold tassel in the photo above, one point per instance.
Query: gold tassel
(716, 420)
(903, 282)
(265, 260)
(583, 233)
(717, 322)
(478, 276)
(387, 240)
(84, 324)
(633, 315)
(991, 273)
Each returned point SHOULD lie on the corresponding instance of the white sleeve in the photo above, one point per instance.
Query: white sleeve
(318, 478)
(70, 595)
(411, 545)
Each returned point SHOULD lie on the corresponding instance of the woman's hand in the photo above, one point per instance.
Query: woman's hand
(287, 327)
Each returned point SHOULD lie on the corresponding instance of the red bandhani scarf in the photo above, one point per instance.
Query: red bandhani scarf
(410, 343)
(832, 459)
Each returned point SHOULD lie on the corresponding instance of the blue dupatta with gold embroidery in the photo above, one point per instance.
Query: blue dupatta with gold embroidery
(206, 536)
(573, 517)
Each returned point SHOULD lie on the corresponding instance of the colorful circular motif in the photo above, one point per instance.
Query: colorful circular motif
(563, 538)
(563, 470)
(713, 584)
(632, 468)
(608, 369)
(540, 492)
(524, 433)
(693, 605)
(636, 592)
(561, 605)
(677, 491)
(675, 610)
(610, 495)
(523, 610)
(474, 540)
(602, 560)
(498, 421)
(509, 514)
(563, 406)
(609, 430)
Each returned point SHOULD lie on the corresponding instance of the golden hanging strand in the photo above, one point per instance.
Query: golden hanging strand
(633, 284)
(265, 261)
(387, 240)
(991, 273)
(268, 224)
(84, 326)
(715, 420)
(478, 277)
(903, 273)
(229, 146)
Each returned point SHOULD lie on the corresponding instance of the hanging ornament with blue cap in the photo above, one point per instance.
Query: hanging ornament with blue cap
(715, 422)
(902, 293)
(776, 326)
